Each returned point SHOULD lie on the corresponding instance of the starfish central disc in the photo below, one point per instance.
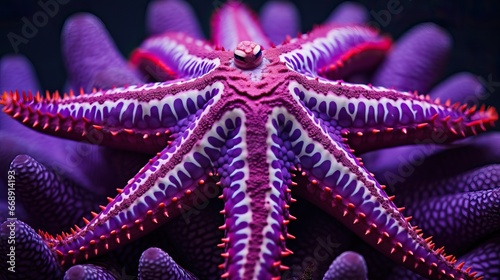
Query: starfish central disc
(248, 55)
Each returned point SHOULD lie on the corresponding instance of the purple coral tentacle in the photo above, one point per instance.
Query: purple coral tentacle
(416, 61)
(91, 57)
(234, 23)
(423, 164)
(91, 272)
(155, 264)
(462, 87)
(172, 16)
(484, 148)
(438, 207)
(32, 258)
(451, 182)
(348, 13)
(349, 265)
(54, 203)
(17, 74)
(279, 19)
(484, 259)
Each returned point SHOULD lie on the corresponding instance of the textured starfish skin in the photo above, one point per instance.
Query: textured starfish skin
(326, 87)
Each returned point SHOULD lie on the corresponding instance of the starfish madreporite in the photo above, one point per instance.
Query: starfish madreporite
(262, 124)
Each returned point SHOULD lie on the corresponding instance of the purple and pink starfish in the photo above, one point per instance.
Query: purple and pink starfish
(247, 126)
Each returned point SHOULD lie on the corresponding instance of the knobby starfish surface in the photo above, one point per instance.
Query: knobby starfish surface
(262, 123)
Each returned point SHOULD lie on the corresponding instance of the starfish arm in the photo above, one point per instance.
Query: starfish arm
(234, 23)
(462, 87)
(334, 51)
(97, 168)
(348, 13)
(53, 203)
(343, 188)
(33, 259)
(373, 117)
(280, 19)
(171, 56)
(172, 16)
(458, 220)
(256, 205)
(483, 260)
(152, 197)
(141, 118)
(91, 57)
(155, 264)
(349, 265)
(424, 50)
(90, 272)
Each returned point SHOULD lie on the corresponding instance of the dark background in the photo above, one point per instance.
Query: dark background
(474, 26)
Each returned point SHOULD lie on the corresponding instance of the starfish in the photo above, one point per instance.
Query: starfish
(262, 123)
